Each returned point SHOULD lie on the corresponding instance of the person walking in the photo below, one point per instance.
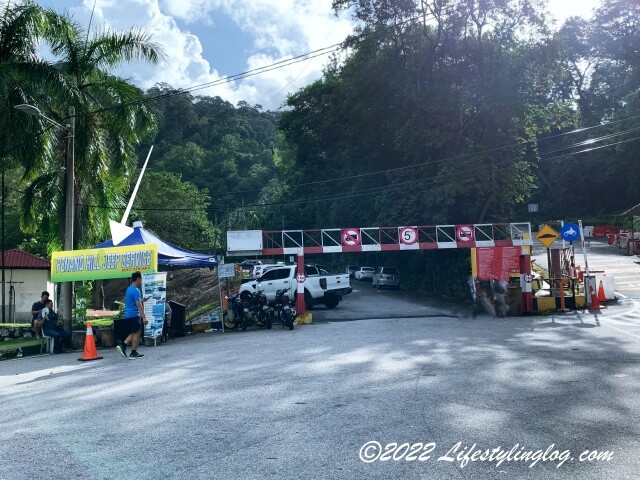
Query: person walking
(134, 318)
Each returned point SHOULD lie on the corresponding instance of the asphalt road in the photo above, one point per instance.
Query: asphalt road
(624, 268)
(603, 257)
(297, 405)
(367, 302)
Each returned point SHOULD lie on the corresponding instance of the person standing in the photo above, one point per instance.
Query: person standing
(134, 317)
(36, 310)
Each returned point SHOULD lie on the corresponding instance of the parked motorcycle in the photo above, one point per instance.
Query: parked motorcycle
(260, 310)
(282, 311)
(239, 308)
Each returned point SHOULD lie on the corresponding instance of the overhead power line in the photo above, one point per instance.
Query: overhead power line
(460, 157)
(465, 173)
(279, 64)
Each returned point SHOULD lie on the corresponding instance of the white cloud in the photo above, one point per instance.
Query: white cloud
(189, 11)
(279, 29)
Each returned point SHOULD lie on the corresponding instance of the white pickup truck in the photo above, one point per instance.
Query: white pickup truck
(318, 288)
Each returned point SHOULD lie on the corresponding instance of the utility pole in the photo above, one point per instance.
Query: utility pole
(67, 287)
(67, 293)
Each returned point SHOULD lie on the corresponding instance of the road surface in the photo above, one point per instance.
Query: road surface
(367, 302)
(303, 404)
(603, 257)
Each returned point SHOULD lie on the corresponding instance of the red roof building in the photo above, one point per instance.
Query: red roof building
(19, 259)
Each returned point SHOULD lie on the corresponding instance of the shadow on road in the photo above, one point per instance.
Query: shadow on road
(310, 398)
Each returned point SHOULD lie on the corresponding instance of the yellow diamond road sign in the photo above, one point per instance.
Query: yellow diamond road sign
(547, 235)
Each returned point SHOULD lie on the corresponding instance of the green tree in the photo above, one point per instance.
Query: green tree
(597, 70)
(426, 88)
(111, 119)
(24, 77)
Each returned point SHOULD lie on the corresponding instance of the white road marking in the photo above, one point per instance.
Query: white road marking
(626, 332)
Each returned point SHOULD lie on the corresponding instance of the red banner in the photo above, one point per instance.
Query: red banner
(498, 262)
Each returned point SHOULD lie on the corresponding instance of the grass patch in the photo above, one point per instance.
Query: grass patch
(13, 344)
(101, 322)
(15, 325)
(95, 322)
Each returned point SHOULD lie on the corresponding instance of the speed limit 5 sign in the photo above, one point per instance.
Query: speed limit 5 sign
(408, 235)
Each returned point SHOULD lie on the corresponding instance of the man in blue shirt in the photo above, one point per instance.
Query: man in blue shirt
(133, 313)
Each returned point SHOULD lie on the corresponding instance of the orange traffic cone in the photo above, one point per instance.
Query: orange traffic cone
(595, 304)
(90, 352)
(601, 296)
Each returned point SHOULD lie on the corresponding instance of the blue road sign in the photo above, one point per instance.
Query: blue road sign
(570, 232)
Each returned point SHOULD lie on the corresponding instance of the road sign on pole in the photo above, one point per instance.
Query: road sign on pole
(226, 270)
(570, 232)
(547, 235)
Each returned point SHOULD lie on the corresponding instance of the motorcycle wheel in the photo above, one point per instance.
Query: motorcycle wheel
(228, 323)
(267, 322)
(244, 323)
(288, 320)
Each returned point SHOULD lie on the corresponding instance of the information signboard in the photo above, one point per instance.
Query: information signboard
(154, 294)
(497, 262)
(103, 263)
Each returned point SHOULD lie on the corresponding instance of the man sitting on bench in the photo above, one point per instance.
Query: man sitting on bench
(36, 311)
(53, 328)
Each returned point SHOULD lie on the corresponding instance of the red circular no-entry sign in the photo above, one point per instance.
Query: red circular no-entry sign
(350, 237)
(464, 233)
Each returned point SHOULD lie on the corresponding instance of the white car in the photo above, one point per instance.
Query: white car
(260, 270)
(364, 273)
(327, 289)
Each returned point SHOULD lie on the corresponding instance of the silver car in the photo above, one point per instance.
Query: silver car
(386, 277)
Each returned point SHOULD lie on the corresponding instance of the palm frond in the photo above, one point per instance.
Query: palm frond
(110, 48)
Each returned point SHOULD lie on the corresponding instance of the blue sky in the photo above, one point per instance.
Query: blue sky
(225, 45)
(208, 39)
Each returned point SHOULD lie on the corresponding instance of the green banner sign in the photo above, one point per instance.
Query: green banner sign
(103, 263)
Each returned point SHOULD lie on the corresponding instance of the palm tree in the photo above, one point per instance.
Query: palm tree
(23, 75)
(112, 117)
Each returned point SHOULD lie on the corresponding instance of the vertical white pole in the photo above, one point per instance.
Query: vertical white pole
(584, 249)
(300, 303)
(588, 295)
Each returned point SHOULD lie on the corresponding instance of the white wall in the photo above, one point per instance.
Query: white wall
(28, 285)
